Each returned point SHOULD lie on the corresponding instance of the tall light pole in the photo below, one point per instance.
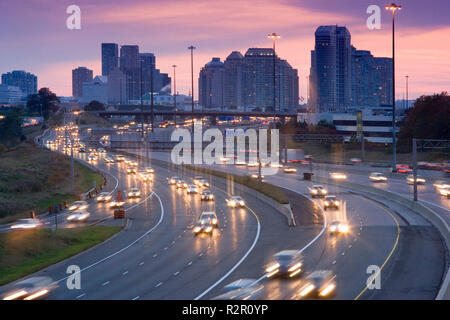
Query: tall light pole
(407, 102)
(274, 37)
(175, 93)
(192, 48)
(393, 7)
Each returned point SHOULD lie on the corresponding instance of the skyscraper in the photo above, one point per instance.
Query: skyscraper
(27, 82)
(210, 84)
(130, 64)
(80, 75)
(148, 64)
(110, 57)
(330, 77)
(234, 94)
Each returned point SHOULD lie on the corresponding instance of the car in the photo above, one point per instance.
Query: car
(78, 215)
(31, 289)
(197, 179)
(133, 163)
(338, 176)
(290, 169)
(191, 188)
(339, 227)
(173, 180)
(150, 170)
(320, 283)
(240, 163)
(257, 176)
(445, 191)
(82, 150)
(308, 157)
(355, 160)
(331, 202)
(276, 165)
(285, 263)
(203, 226)
(211, 217)
(120, 158)
(207, 195)
(419, 179)
(242, 289)
(438, 184)
(101, 150)
(146, 177)
(134, 193)
(92, 158)
(115, 204)
(131, 170)
(203, 183)
(235, 202)
(181, 184)
(403, 168)
(78, 205)
(318, 191)
(109, 160)
(104, 197)
(377, 177)
(29, 223)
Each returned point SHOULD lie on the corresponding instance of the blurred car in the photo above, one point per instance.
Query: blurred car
(317, 191)
(78, 205)
(104, 197)
(203, 226)
(109, 160)
(92, 158)
(133, 163)
(438, 184)
(445, 191)
(285, 263)
(242, 289)
(207, 195)
(331, 202)
(320, 283)
(150, 170)
(338, 227)
(240, 163)
(191, 188)
(308, 157)
(31, 289)
(355, 160)
(181, 184)
(120, 158)
(290, 169)
(197, 179)
(134, 193)
(211, 217)
(203, 184)
(235, 201)
(403, 168)
(257, 176)
(146, 177)
(78, 215)
(131, 170)
(338, 176)
(101, 150)
(116, 204)
(27, 224)
(173, 180)
(276, 165)
(82, 150)
(377, 177)
(419, 179)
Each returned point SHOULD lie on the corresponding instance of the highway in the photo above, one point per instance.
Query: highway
(157, 256)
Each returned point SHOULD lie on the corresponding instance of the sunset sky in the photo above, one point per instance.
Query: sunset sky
(34, 36)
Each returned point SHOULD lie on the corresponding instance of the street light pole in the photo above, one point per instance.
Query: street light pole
(175, 93)
(192, 48)
(407, 102)
(393, 7)
(274, 37)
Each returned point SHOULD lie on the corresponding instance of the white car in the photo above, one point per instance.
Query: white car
(31, 289)
(211, 217)
(173, 180)
(197, 179)
(134, 193)
(445, 191)
(338, 176)
(319, 283)
(78, 215)
(242, 289)
(290, 169)
(116, 204)
(104, 197)
(26, 224)
(318, 191)
(191, 189)
(109, 160)
(339, 227)
(235, 201)
(419, 179)
(377, 177)
(150, 170)
(78, 205)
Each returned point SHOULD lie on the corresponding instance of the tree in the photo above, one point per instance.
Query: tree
(428, 119)
(43, 103)
(94, 105)
(11, 128)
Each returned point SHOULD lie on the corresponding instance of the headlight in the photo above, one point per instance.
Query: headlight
(314, 191)
(15, 295)
(336, 203)
(37, 294)
(343, 228)
(273, 267)
(241, 203)
(232, 203)
(326, 203)
(324, 191)
(306, 290)
(295, 267)
(208, 229)
(327, 290)
(197, 229)
(214, 221)
(70, 218)
(72, 207)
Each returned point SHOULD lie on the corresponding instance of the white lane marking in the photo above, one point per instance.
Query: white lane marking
(165, 248)
(200, 254)
(343, 253)
(155, 255)
(126, 272)
(81, 295)
(141, 263)
(334, 262)
(258, 230)
(349, 245)
(135, 298)
(105, 283)
(189, 263)
(126, 247)
(176, 273)
(158, 285)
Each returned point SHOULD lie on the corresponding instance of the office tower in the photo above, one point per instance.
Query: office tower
(383, 80)
(330, 86)
(130, 64)
(95, 90)
(210, 84)
(117, 87)
(148, 64)
(234, 95)
(110, 57)
(80, 75)
(27, 82)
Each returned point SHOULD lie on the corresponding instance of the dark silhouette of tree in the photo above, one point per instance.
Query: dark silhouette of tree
(11, 128)
(44, 103)
(94, 105)
(428, 119)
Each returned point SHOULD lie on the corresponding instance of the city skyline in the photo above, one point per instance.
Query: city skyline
(220, 31)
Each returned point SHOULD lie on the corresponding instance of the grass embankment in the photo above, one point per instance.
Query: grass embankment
(265, 188)
(87, 118)
(32, 179)
(25, 252)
